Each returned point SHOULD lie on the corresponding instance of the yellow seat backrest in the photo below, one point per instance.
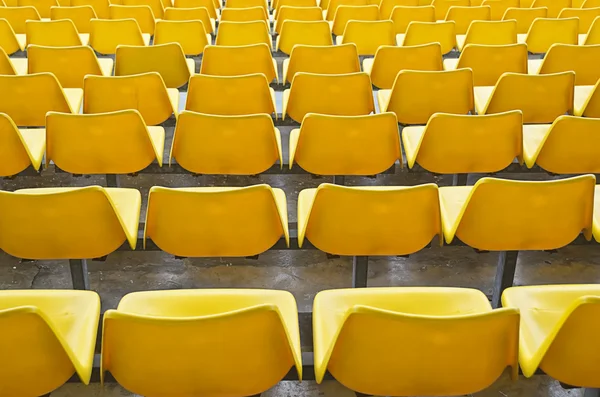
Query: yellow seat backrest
(489, 62)
(107, 34)
(293, 3)
(14, 149)
(42, 6)
(100, 6)
(247, 14)
(355, 13)
(297, 14)
(464, 16)
(210, 5)
(190, 35)
(369, 35)
(580, 59)
(492, 32)
(190, 14)
(499, 7)
(525, 17)
(142, 14)
(61, 33)
(547, 31)
(243, 33)
(8, 38)
(431, 32)
(339, 59)
(334, 4)
(442, 6)
(17, 16)
(155, 5)
(387, 6)
(316, 33)
(80, 15)
(554, 6)
(69, 64)
(238, 60)
(586, 16)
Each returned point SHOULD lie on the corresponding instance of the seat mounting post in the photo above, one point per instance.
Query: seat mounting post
(79, 274)
(360, 269)
(505, 274)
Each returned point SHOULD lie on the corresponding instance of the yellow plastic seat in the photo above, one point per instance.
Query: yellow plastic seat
(389, 60)
(235, 61)
(9, 41)
(442, 7)
(62, 33)
(371, 221)
(17, 17)
(141, 14)
(402, 16)
(183, 343)
(417, 95)
(246, 4)
(68, 222)
(353, 13)
(168, 60)
(108, 34)
(47, 336)
(489, 62)
(81, 16)
(155, 5)
(587, 101)
(105, 143)
(216, 222)
(20, 148)
(586, 16)
(499, 7)
(387, 6)
(42, 6)
(342, 95)
(568, 146)
(489, 33)
(586, 3)
(26, 99)
(554, 6)
(297, 14)
(145, 92)
(464, 16)
(360, 337)
(457, 144)
(191, 14)
(346, 145)
(558, 329)
(248, 14)
(69, 64)
(100, 6)
(210, 5)
(368, 35)
(339, 59)
(243, 33)
(419, 33)
(525, 17)
(330, 11)
(230, 95)
(189, 35)
(12, 67)
(547, 31)
(226, 145)
(541, 98)
(293, 3)
(565, 57)
(593, 35)
(501, 215)
(313, 33)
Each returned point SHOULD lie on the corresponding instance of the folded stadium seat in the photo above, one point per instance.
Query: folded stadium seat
(216, 221)
(248, 14)
(541, 98)
(339, 59)
(445, 92)
(68, 222)
(544, 215)
(558, 331)
(489, 62)
(100, 6)
(69, 64)
(189, 35)
(368, 36)
(145, 92)
(374, 220)
(568, 146)
(354, 13)
(360, 337)
(17, 17)
(293, 3)
(499, 7)
(547, 31)
(194, 342)
(9, 41)
(389, 60)
(240, 60)
(554, 6)
(313, 33)
(586, 17)
(346, 145)
(442, 7)
(587, 101)
(142, 14)
(330, 11)
(20, 148)
(210, 5)
(155, 5)
(243, 33)
(591, 38)
(460, 144)
(26, 99)
(47, 337)
(564, 57)
(108, 34)
(489, 33)
(387, 6)
(62, 33)
(336, 94)
(191, 14)
(402, 16)
(230, 95)
(246, 4)
(463, 16)
(42, 6)
(81, 16)
(525, 17)
(104, 143)
(226, 145)
(297, 14)
(429, 32)
(12, 67)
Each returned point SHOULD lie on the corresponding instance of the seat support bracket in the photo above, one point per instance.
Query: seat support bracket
(505, 274)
